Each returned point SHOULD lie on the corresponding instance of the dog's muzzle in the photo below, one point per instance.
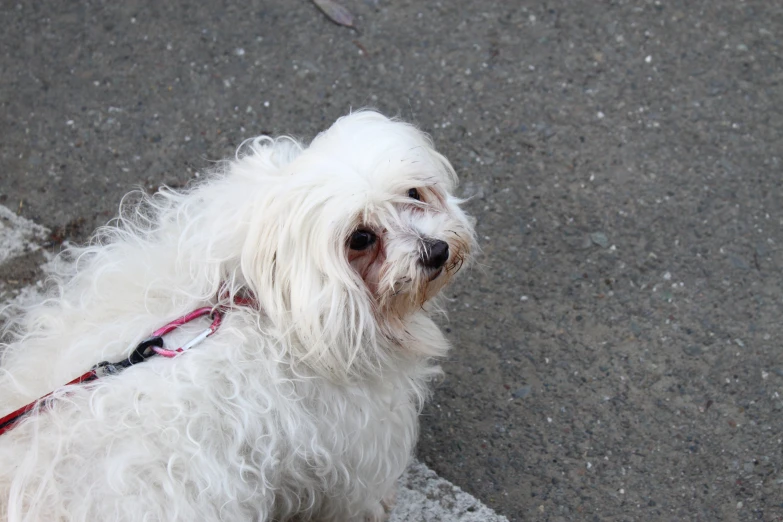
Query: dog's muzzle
(436, 253)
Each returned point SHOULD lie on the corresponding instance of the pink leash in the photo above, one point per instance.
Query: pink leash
(217, 318)
(153, 345)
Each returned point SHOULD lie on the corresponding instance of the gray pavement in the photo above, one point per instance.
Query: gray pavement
(618, 347)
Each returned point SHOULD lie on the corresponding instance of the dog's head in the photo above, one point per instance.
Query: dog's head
(353, 235)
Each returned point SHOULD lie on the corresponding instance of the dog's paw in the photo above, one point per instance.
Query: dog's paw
(378, 515)
(382, 511)
(388, 501)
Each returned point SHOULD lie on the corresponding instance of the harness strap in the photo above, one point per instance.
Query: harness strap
(148, 348)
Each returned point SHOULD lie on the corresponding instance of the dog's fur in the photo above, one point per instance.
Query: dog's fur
(304, 406)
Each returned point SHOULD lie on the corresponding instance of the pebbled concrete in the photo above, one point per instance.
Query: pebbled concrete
(425, 497)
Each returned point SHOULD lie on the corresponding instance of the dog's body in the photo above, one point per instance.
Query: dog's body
(303, 404)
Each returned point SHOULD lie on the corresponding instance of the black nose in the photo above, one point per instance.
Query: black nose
(435, 254)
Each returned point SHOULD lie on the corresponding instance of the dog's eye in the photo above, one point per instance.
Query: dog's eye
(414, 194)
(361, 240)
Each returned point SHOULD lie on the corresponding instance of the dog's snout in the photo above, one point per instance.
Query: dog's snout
(435, 254)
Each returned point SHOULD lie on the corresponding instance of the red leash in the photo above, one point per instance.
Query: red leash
(7, 422)
(146, 349)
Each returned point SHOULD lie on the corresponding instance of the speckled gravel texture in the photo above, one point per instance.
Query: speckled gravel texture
(423, 496)
(618, 344)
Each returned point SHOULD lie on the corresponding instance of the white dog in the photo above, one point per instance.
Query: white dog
(303, 404)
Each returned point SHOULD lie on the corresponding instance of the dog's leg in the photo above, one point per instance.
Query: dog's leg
(389, 500)
(381, 511)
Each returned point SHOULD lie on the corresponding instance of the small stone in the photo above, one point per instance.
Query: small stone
(692, 350)
(636, 329)
(738, 262)
(522, 392)
(600, 239)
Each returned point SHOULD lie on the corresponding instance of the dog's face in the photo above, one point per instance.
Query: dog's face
(406, 249)
(368, 233)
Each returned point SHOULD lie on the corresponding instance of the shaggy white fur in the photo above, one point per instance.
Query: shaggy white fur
(304, 407)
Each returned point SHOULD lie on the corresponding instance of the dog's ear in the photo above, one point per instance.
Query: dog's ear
(294, 261)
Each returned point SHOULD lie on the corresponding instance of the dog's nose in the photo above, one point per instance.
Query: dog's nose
(435, 254)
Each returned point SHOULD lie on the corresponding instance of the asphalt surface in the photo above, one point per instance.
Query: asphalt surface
(618, 346)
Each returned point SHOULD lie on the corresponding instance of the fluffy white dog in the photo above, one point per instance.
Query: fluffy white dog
(304, 404)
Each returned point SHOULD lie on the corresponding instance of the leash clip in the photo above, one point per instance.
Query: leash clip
(214, 314)
(145, 349)
(141, 353)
